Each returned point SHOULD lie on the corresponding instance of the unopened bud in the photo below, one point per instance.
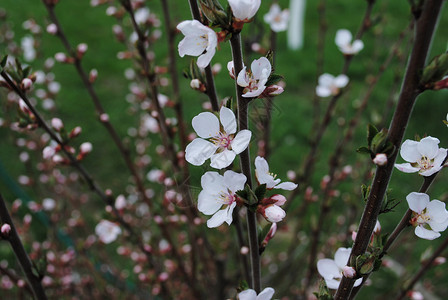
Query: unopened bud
(48, 152)
(52, 29)
(57, 124)
(93, 75)
(75, 132)
(380, 159)
(104, 118)
(6, 229)
(279, 199)
(195, 84)
(86, 147)
(27, 83)
(348, 272)
(60, 57)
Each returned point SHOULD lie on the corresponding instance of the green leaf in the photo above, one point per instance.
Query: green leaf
(260, 191)
(3, 61)
(371, 132)
(364, 150)
(378, 141)
(273, 79)
(436, 69)
(243, 195)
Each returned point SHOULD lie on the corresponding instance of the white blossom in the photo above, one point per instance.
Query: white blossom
(223, 144)
(265, 177)
(218, 191)
(276, 18)
(344, 41)
(244, 10)
(198, 38)
(330, 85)
(254, 81)
(424, 157)
(250, 294)
(107, 231)
(332, 269)
(429, 217)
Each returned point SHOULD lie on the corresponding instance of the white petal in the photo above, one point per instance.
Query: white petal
(259, 65)
(198, 151)
(206, 125)
(217, 219)
(428, 147)
(425, 233)
(266, 294)
(341, 256)
(228, 120)
(222, 160)
(190, 27)
(213, 182)
(241, 141)
(407, 168)
(234, 181)
(205, 59)
(192, 45)
(326, 79)
(358, 282)
(341, 81)
(287, 186)
(247, 295)
(261, 165)
(417, 201)
(323, 91)
(431, 171)
(357, 46)
(343, 37)
(409, 151)
(255, 93)
(438, 214)
(327, 268)
(332, 284)
(207, 203)
(440, 157)
(229, 211)
(242, 79)
(231, 69)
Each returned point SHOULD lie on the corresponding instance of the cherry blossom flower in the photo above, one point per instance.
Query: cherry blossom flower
(264, 177)
(219, 191)
(107, 231)
(424, 157)
(255, 80)
(198, 38)
(276, 18)
(330, 85)
(223, 146)
(333, 270)
(244, 10)
(429, 217)
(250, 294)
(344, 41)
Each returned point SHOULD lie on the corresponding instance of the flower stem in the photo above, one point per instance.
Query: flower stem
(23, 258)
(243, 123)
(425, 26)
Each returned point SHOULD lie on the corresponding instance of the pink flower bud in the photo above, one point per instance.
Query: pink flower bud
(104, 118)
(52, 29)
(85, 147)
(48, 152)
(5, 229)
(57, 124)
(380, 159)
(348, 272)
(93, 75)
(274, 213)
(27, 83)
(195, 84)
(75, 132)
(60, 57)
(279, 199)
(354, 234)
(82, 48)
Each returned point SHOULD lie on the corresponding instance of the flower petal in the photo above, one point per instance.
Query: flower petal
(228, 120)
(230, 209)
(357, 46)
(343, 37)
(205, 59)
(241, 141)
(207, 203)
(193, 46)
(206, 125)
(287, 186)
(258, 66)
(357, 282)
(323, 91)
(326, 79)
(222, 160)
(409, 151)
(327, 268)
(341, 256)
(266, 294)
(417, 201)
(341, 81)
(217, 219)
(428, 147)
(407, 168)
(242, 79)
(425, 233)
(198, 151)
(234, 181)
(247, 295)
(213, 182)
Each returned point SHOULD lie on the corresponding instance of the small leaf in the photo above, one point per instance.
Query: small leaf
(3, 61)
(273, 79)
(260, 191)
(371, 132)
(364, 150)
(243, 195)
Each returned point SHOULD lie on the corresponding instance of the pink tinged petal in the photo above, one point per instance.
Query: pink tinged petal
(254, 93)
(407, 168)
(217, 219)
(234, 181)
(428, 147)
(247, 295)
(287, 186)
(357, 46)
(425, 233)
(207, 203)
(222, 160)
(417, 201)
(341, 81)
(213, 182)
(409, 151)
(274, 213)
(198, 151)
(323, 91)
(266, 294)
(231, 69)
(343, 37)
(228, 120)
(326, 80)
(241, 141)
(341, 257)
(358, 282)
(242, 79)
(328, 269)
(259, 65)
(206, 125)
